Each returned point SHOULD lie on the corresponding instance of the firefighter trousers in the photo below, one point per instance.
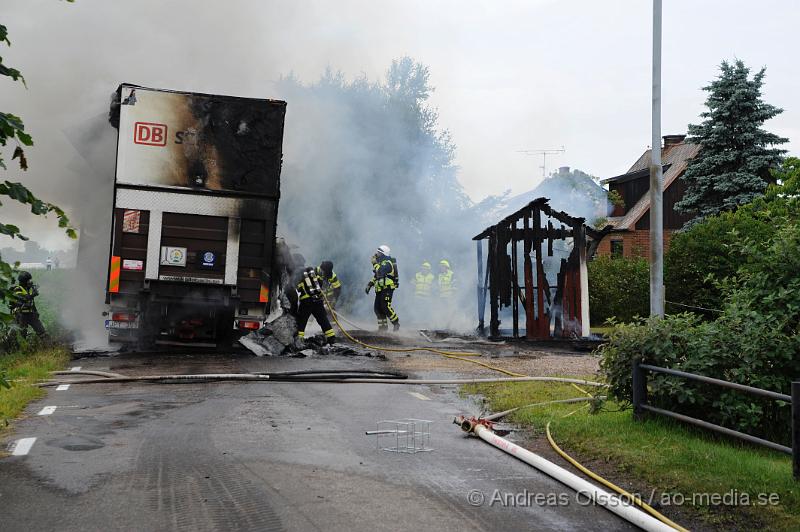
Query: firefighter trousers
(383, 307)
(308, 308)
(25, 319)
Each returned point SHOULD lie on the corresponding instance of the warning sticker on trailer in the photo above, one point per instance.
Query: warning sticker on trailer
(133, 265)
(130, 221)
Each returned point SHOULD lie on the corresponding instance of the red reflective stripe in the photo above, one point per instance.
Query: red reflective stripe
(263, 296)
(113, 279)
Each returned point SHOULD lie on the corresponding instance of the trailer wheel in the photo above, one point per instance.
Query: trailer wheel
(224, 328)
(147, 328)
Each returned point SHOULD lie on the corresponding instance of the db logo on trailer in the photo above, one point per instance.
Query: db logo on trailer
(150, 134)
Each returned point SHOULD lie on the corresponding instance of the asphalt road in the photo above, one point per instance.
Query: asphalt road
(265, 456)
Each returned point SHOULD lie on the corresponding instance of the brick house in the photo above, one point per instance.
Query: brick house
(630, 233)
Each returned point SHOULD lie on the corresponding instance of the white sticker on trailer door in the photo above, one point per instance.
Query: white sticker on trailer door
(133, 265)
(172, 256)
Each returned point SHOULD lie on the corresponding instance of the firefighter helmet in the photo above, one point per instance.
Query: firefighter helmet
(384, 250)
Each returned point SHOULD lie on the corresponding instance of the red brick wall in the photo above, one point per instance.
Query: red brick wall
(634, 243)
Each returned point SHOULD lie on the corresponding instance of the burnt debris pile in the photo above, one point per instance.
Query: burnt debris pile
(278, 338)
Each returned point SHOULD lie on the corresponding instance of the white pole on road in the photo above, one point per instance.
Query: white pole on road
(656, 179)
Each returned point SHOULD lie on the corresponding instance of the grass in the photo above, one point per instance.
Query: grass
(23, 370)
(54, 286)
(32, 363)
(674, 459)
(605, 330)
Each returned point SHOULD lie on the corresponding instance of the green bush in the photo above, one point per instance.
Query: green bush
(619, 288)
(755, 341)
(702, 259)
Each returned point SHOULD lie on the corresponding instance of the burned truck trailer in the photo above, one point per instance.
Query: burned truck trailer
(196, 196)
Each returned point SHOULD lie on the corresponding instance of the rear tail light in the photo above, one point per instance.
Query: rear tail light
(123, 316)
(249, 325)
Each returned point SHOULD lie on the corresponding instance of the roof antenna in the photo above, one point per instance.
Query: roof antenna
(544, 153)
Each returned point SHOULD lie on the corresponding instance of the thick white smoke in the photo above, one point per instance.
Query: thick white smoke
(367, 164)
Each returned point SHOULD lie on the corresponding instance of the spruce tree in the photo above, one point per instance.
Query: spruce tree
(736, 153)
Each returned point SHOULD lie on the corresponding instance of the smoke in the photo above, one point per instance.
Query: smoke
(572, 191)
(366, 161)
(92, 169)
(367, 164)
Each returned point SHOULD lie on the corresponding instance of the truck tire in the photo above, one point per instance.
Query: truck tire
(224, 329)
(147, 328)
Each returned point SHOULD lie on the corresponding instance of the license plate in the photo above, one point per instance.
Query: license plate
(111, 324)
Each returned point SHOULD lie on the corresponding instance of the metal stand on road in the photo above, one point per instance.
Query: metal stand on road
(403, 435)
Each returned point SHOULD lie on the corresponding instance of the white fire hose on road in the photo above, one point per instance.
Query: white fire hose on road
(584, 488)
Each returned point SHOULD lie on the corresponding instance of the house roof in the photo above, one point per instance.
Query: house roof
(674, 159)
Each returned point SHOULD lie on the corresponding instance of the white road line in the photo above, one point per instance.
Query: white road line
(419, 396)
(75, 368)
(46, 411)
(22, 446)
(62, 387)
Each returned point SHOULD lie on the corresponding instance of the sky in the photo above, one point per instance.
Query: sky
(509, 75)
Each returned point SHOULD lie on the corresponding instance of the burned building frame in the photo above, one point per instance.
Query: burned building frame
(547, 277)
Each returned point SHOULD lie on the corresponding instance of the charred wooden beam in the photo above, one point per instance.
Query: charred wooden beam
(527, 247)
(515, 285)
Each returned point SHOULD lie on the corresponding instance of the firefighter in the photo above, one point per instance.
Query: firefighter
(446, 283)
(331, 285)
(385, 280)
(423, 282)
(310, 302)
(23, 307)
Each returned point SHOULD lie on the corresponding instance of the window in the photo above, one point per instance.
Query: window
(616, 248)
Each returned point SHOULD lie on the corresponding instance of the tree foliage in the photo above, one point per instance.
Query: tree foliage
(736, 153)
(618, 289)
(12, 131)
(703, 258)
(751, 260)
(380, 171)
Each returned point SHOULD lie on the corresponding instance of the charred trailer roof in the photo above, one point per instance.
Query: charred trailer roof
(201, 142)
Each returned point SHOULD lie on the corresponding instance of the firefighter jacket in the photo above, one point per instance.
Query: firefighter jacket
(331, 286)
(423, 284)
(24, 299)
(385, 274)
(447, 286)
(308, 285)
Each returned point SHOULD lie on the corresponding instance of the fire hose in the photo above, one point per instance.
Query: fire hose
(332, 376)
(584, 488)
(628, 496)
(447, 354)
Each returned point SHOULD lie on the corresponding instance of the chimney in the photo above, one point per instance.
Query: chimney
(563, 170)
(673, 140)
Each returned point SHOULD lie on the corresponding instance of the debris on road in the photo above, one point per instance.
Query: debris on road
(277, 338)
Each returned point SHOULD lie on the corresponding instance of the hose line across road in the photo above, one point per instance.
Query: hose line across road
(447, 354)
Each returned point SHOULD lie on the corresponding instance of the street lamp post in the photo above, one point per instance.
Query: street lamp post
(656, 179)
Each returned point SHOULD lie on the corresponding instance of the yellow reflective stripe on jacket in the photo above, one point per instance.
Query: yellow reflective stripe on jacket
(423, 283)
(446, 286)
(331, 284)
(25, 299)
(389, 279)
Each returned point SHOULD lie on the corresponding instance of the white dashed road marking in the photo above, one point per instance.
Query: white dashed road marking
(46, 411)
(62, 387)
(419, 396)
(22, 446)
(75, 368)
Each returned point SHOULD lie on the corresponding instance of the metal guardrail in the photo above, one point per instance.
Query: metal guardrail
(640, 406)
